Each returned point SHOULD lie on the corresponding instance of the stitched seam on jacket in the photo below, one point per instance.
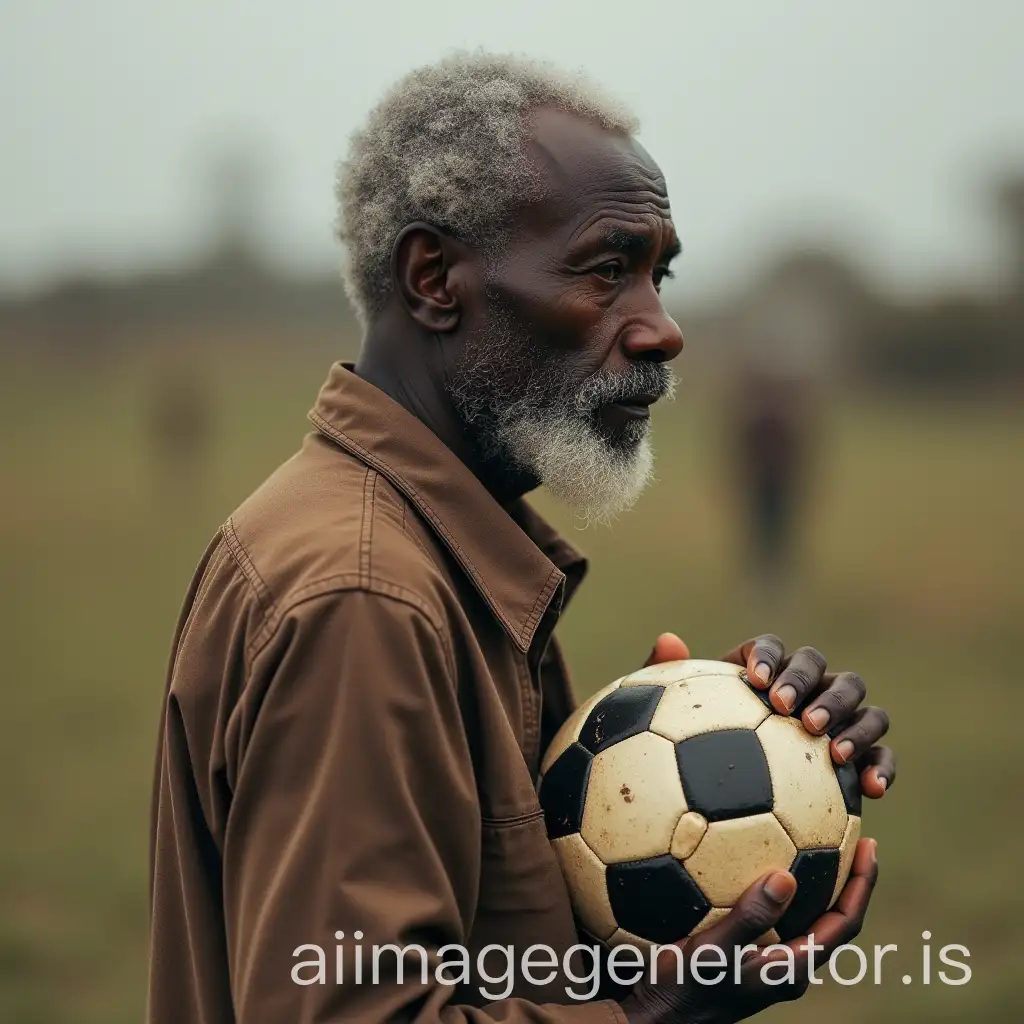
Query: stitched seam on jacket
(522, 634)
(366, 527)
(245, 563)
(528, 699)
(340, 583)
(542, 600)
(517, 819)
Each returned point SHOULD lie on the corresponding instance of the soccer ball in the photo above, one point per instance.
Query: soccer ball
(673, 789)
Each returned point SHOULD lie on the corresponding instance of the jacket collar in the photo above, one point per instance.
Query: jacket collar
(515, 559)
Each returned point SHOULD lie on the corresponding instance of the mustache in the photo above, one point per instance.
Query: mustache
(639, 382)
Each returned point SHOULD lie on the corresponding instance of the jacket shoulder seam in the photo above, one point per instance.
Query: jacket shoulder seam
(338, 583)
(425, 507)
(245, 563)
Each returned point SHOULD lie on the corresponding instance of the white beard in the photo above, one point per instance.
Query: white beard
(532, 414)
(576, 464)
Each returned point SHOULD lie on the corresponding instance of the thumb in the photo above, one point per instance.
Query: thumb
(668, 647)
(757, 910)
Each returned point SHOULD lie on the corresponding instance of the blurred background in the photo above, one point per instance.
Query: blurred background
(843, 464)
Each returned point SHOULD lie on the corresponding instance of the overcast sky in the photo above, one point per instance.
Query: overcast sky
(876, 125)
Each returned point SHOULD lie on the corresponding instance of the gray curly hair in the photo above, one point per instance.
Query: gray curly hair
(446, 146)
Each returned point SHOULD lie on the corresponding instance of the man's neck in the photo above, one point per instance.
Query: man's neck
(409, 367)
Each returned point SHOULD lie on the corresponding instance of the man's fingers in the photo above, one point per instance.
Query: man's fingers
(800, 678)
(668, 647)
(832, 708)
(877, 771)
(760, 657)
(866, 727)
(757, 910)
(865, 865)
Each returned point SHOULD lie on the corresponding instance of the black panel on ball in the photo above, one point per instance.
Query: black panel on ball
(816, 872)
(725, 774)
(849, 783)
(655, 898)
(563, 791)
(625, 712)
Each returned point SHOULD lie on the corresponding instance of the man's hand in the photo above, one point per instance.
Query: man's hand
(670, 1000)
(827, 702)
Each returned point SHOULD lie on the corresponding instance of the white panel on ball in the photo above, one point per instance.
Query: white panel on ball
(733, 854)
(585, 876)
(634, 799)
(706, 704)
(688, 834)
(807, 797)
(669, 672)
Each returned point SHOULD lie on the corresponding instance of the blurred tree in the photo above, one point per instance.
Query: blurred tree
(236, 182)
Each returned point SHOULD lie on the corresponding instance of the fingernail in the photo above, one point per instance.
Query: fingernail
(844, 750)
(818, 718)
(874, 851)
(763, 671)
(787, 694)
(883, 782)
(777, 888)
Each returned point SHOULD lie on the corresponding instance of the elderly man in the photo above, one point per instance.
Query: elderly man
(364, 675)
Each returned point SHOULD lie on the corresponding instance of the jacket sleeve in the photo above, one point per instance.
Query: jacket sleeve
(354, 810)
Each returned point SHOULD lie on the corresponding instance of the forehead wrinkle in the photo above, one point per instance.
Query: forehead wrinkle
(629, 176)
(633, 197)
(593, 178)
(654, 177)
(644, 218)
(603, 163)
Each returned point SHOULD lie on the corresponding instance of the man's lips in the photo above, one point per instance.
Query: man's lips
(618, 415)
(638, 406)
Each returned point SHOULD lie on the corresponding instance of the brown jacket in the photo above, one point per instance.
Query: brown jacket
(362, 683)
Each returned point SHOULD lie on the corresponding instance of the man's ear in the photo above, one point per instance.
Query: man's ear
(421, 268)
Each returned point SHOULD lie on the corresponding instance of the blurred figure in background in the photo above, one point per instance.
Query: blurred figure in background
(180, 426)
(771, 421)
(789, 342)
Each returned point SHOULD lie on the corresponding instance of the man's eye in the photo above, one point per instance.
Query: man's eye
(608, 271)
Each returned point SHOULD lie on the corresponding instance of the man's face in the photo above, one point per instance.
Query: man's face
(555, 380)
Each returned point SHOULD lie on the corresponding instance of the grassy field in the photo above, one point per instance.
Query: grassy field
(911, 574)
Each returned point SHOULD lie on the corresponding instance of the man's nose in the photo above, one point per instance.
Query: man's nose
(656, 340)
